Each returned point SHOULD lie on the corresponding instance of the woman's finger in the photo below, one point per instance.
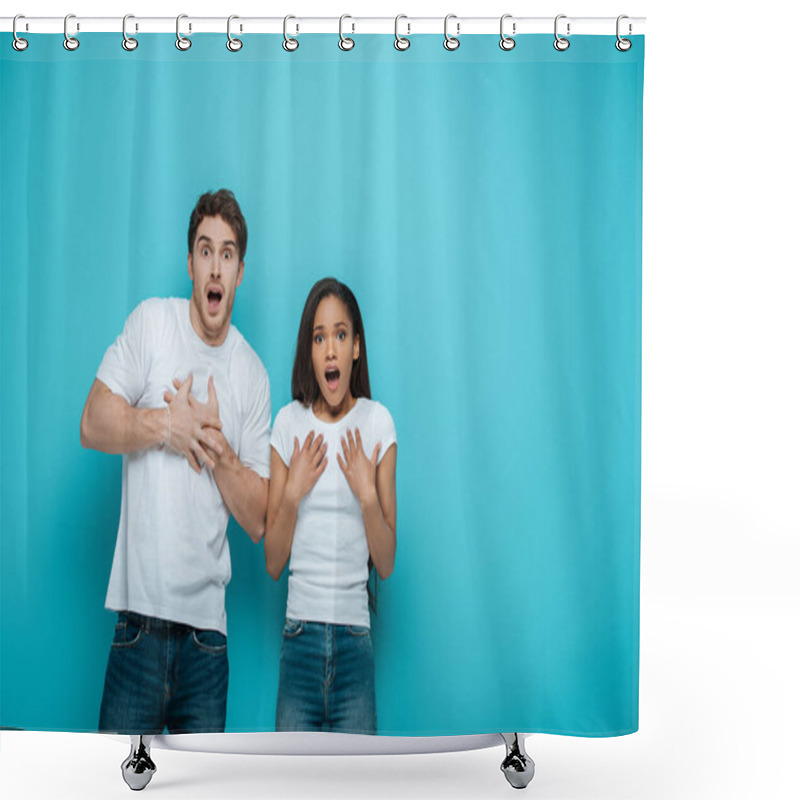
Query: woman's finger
(359, 443)
(319, 455)
(375, 454)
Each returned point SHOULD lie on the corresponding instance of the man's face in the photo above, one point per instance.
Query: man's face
(216, 271)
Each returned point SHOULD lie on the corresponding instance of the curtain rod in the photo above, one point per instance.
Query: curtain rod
(407, 25)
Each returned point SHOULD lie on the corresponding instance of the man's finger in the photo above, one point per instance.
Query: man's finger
(211, 442)
(342, 465)
(210, 421)
(168, 396)
(194, 463)
(203, 456)
(212, 394)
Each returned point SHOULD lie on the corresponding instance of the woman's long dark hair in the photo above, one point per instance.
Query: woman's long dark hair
(304, 383)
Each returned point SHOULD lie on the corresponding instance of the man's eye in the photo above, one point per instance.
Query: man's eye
(205, 251)
(227, 255)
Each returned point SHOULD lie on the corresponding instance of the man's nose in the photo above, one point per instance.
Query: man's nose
(216, 265)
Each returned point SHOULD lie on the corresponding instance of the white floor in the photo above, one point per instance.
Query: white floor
(720, 698)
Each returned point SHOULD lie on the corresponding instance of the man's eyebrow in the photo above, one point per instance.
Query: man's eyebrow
(226, 243)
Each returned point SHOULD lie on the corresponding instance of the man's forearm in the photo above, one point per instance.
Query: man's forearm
(245, 494)
(110, 424)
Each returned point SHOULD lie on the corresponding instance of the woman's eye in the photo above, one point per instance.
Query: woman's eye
(318, 338)
(341, 336)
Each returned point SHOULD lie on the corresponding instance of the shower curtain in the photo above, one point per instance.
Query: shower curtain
(485, 208)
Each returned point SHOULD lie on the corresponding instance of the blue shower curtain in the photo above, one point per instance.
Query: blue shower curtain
(485, 208)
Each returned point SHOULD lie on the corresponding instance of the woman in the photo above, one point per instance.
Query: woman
(333, 520)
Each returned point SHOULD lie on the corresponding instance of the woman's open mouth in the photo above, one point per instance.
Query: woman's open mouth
(332, 378)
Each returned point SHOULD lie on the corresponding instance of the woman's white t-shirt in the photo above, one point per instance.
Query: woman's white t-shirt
(328, 565)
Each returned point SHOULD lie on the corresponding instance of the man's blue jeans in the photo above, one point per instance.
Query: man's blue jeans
(164, 674)
(327, 679)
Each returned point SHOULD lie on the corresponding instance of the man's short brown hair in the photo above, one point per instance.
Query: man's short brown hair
(223, 204)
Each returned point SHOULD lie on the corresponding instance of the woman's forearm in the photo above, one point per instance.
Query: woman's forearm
(381, 539)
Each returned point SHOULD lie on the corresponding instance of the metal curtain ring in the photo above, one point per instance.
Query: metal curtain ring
(400, 42)
(623, 45)
(345, 43)
(19, 44)
(128, 42)
(289, 44)
(233, 44)
(451, 42)
(561, 43)
(70, 42)
(181, 42)
(506, 42)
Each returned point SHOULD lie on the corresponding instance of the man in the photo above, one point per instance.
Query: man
(191, 457)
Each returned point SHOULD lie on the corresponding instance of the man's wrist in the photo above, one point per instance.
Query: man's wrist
(156, 427)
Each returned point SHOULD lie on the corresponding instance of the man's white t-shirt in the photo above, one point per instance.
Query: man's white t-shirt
(172, 559)
(328, 569)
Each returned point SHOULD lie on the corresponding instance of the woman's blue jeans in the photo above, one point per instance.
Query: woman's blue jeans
(163, 674)
(327, 679)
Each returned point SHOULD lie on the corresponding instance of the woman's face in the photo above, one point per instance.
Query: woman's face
(334, 348)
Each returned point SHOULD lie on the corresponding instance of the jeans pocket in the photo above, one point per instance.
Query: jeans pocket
(210, 641)
(127, 632)
(293, 627)
(358, 630)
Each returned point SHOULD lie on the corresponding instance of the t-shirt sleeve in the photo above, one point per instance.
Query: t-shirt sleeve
(256, 430)
(124, 365)
(384, 430)
(282, 438)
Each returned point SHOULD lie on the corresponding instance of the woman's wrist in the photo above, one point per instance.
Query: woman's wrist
(369, 499)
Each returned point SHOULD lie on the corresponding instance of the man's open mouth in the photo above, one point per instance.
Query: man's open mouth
(214, 297)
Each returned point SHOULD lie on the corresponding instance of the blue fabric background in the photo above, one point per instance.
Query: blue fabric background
(485, 207)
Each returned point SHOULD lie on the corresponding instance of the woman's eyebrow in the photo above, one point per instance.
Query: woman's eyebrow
(321, 327)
